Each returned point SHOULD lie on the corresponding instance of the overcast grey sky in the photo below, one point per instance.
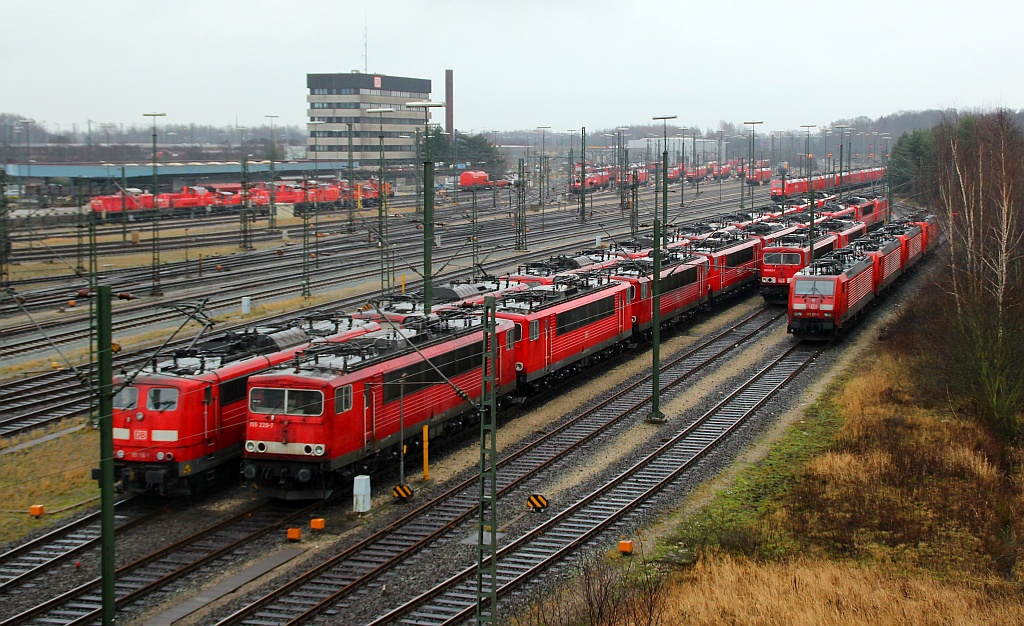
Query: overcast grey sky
(521, 64)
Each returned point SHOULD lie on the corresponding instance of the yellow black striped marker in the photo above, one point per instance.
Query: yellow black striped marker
(537, 502)
(402, 492)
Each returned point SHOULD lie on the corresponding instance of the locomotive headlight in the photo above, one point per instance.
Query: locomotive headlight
(250, 446)
(308, 449)
(138, 416)
(159, 456)
(318, 450)
(169, 457)
(261, 447)
(120, 454)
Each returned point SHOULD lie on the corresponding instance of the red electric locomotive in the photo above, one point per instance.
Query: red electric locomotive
(683, 285)
(181, 417)
(884, 252)
(340, 409)
(758, 175)
(826, 295)
(733, 260)
(565, 324)
(787, 256)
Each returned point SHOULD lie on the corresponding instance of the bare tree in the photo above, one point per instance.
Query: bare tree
(979, 170)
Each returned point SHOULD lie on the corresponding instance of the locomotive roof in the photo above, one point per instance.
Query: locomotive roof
(643, 266)
(234, 346)
(719, 241)
(839, 225)
(799, 239)
(835, 263)
(900, 227)
(565, 287)
(230, 347)
(327, 360)
(874, 242)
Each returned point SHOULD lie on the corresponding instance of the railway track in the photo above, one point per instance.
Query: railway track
(158, 571)
(46, 398)
(522, 559)
(49, 397)
(36, 556)
(345, 574)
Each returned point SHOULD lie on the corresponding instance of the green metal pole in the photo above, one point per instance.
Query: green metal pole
(487, 507)
(124, 207)
(5, 235)
(351, 186)
(155, 235)
(305, 239)
(105, 363)
(428, 225)
(583, 175)
(664, 202)
(272, 211)
(656, 416)
(476, 243)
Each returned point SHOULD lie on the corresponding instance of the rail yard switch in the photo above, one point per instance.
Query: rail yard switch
(626, 546)
(317, 523)
(36, 510)
(294, 534)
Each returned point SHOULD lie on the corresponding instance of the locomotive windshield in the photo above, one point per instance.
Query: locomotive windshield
(162, 399)
(127, 398)
(268, 401)
(780, 258)
(807, 287)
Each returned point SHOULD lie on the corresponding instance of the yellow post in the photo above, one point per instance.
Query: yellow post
(426, 457)
(403, 283)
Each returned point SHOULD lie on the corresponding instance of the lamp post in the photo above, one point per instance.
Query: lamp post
(27, 125)
(272, 218)
(842, 145)
(543, 179)
(316, 189)
(664, 182)
(807, 148)
(382, 208)
(569, 160)
(155, 238)
(428, 202)
(750, 166)
(721, 135)
(825, 132)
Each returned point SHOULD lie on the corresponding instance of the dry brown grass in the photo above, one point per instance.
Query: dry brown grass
(722, 590)
(883, 506)
(55, 473)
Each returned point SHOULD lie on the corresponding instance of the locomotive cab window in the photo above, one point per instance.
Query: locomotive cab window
(632, 293)
(304, 402)
(127, 398)
(343, 399)
(510, 340)
(264, 400)
(162, 399)
(534, 329)
(806, 287)
(781, 258)
(286, 401)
